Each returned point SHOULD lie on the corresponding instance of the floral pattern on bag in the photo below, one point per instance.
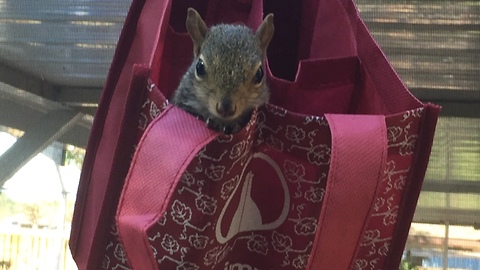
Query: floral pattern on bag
(402, 132)
(199, 232)
(232, 176)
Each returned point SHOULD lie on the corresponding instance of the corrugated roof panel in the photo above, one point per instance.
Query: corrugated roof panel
(64, 42)
(431, 44)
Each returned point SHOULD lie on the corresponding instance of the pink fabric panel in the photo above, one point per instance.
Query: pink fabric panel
(182, 137)
(359, 151)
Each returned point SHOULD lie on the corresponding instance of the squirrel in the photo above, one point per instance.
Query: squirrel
(226, 80)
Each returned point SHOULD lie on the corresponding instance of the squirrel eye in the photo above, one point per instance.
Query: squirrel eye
(200, 69)
(257, 79)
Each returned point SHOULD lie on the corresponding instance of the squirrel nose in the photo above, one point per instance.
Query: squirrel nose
(225, 108)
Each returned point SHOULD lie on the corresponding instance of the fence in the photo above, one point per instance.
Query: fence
(34, 249)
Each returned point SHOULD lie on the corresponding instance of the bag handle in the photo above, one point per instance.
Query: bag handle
(358, 157)
(102, 170)
(377, 67)
(182, 136)
(359, 141)
(355, 39)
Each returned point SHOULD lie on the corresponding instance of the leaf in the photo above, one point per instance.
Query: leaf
(390, 217)
(206, 204)
(169, 244)
(212, 255)
(120, 254)
(379, 203)
(314, 194)
(187, 266)
(400, 182)
(408, 146)
(181, 214)
(215, 173)
(188, 179)
(389, 167)
(198, 241)
(154, 111)
(295, 134)
(370, 237)
(143, 121)
(106, 262)
(300, 262)
(275, 143)
(393, 133)
(383, 250)
(229, 186)
(293, 171)
(281, 243)
(237, 149)
(360, 264)
(306, 226)
(258, 244)
(319, 155)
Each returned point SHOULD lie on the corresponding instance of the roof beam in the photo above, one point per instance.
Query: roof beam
(36, 138)
(462, 217)
(82, 99)
(79, 96)
(451, 186)
(455, 103)
(400, 26)
(22, 80)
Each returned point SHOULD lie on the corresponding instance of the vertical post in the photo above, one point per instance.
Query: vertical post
(447, 206)
(36, 138)
(445, 246)
(61, 224)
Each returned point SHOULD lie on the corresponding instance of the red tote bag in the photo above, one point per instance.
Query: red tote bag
(125, 110)
(325, 176)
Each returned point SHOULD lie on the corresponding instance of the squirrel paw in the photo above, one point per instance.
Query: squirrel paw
(223, 127)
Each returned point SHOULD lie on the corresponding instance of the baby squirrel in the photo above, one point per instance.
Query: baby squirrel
(226, 80)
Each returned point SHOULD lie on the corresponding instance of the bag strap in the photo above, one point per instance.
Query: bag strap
(327, 43)
(358, 157)
(376, 65)
(182, 137)
(104, 167)
(359, 141)
(352, 38)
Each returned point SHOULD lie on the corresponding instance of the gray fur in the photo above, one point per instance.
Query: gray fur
(232, 55)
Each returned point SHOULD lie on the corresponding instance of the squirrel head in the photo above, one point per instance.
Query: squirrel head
(228, 70)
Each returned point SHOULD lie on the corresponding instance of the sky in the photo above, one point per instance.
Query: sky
(39, 179)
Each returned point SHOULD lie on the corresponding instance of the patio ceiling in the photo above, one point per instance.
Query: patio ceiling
(55, 55)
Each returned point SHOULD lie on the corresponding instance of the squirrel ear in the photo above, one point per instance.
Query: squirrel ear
(197, 29)
(265, 32)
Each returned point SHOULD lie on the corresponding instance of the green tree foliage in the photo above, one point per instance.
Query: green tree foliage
(7, 206)
(74, 156)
